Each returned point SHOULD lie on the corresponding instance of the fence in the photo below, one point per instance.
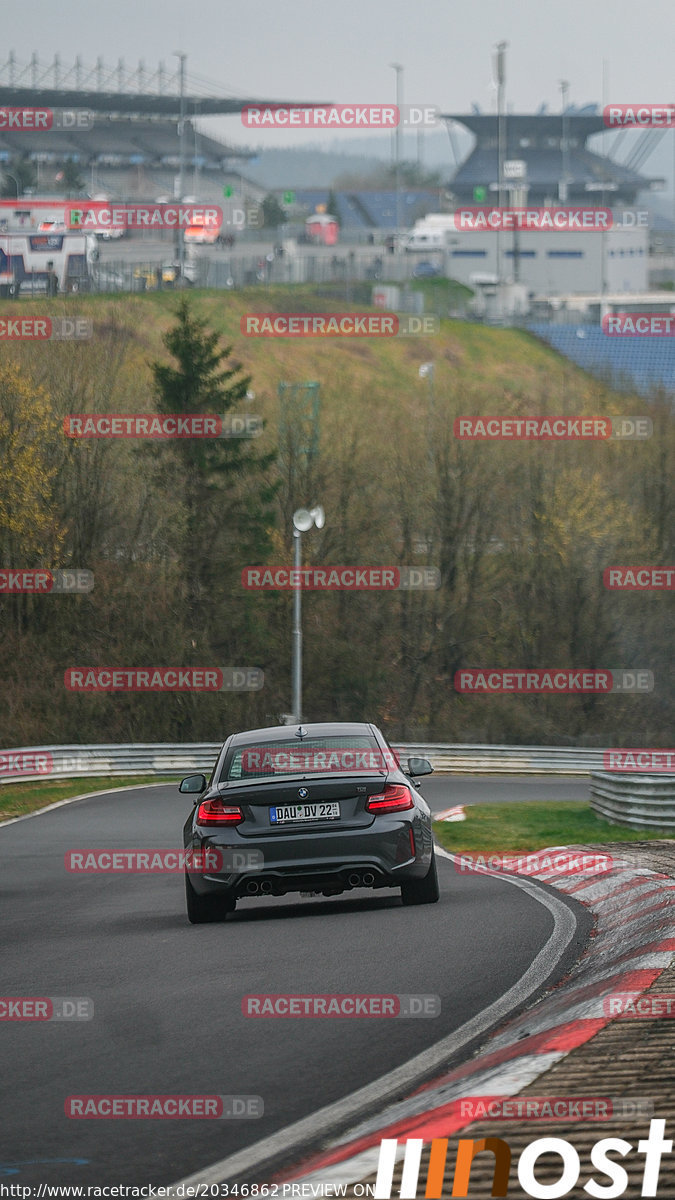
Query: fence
(239, 270)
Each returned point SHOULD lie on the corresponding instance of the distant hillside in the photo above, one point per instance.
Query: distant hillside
(320, 167)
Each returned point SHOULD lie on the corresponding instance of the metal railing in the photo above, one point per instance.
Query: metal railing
(639, 801)
(636, 801)
(174, 759)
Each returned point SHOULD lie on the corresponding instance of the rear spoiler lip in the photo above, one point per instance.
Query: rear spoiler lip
(319, 777)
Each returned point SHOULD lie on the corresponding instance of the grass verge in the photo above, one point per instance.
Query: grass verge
(17, 799)
(533, 825)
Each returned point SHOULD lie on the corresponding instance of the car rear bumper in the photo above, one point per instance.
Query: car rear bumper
(381, 856)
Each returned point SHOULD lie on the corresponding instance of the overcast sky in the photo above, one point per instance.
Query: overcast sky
(341, 51)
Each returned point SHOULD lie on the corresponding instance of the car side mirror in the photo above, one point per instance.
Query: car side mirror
(193, 784)
(419, 766)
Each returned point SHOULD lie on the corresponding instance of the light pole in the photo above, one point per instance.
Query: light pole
(501, 149)
(303, 519)
(195, 173)
(397, 168)
(562, 186)
(181, 168)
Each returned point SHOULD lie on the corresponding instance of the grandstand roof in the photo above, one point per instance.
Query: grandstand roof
(577, 124)
(537, 140)
(146, 103)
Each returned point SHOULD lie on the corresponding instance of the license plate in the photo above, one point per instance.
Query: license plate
(285, 814)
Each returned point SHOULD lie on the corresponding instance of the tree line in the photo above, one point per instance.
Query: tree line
(520, 534)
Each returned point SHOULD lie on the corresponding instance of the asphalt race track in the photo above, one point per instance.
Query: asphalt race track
(443, 791)
(167, 995)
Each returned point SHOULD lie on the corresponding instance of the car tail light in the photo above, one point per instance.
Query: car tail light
(214, 812)
(394, 798)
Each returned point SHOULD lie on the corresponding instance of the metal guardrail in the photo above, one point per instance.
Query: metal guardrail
(173, 759)
(509, 760)
(638, 801)
(135, 758)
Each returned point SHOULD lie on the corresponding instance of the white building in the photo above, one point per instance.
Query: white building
(547, 263)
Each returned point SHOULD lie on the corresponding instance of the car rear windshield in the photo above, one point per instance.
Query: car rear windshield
(361, 755)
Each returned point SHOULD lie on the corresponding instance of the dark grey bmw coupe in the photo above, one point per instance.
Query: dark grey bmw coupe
(319, 809)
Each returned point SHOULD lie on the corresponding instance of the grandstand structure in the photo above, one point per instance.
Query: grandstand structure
(556, 163)
(119, 90)
(134, 146)
(636, 364)
(554, 166)
(127, 157)
(557, 160)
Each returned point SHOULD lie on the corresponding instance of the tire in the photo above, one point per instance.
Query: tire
(422, 891)
(202, 910)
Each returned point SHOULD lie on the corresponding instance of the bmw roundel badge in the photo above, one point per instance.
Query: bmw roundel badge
(303, 793)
